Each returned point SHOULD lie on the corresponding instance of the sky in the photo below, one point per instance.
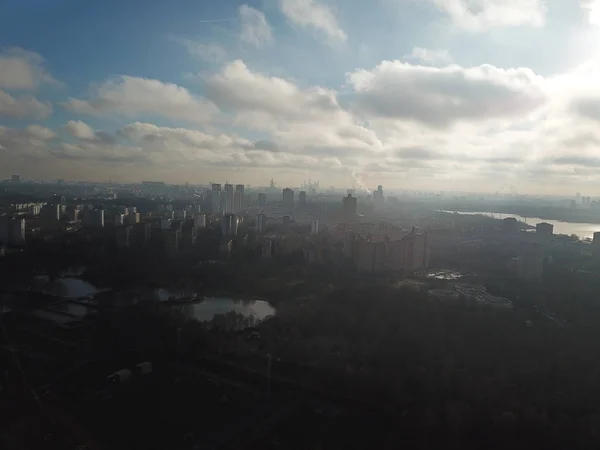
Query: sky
(477, 95)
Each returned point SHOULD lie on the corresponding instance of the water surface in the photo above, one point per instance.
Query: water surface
(208, 308)
(581, 229)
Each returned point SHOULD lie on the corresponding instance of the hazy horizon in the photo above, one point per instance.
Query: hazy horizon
(454, 95)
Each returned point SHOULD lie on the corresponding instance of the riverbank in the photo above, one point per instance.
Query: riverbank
(582, 230)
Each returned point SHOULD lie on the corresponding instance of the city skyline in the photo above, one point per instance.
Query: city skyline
(463, 99)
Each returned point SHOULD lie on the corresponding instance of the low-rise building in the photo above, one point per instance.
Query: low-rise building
(544, 228)
(479, 295)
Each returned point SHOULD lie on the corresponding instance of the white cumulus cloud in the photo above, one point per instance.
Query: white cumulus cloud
(23, 107)
(23, 70)
(441, 97)
(132, 96)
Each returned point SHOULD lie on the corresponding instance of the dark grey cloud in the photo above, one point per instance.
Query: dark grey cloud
(576, 160)
(418, 153)
(588, 107)
(266, 145)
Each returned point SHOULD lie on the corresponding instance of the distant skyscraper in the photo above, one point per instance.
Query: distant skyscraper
(261, 223)
(314, 225)
(237, 201)
(228, 198)
(302, 198)
(262, 199)
(288, 199)
(238, 198)
(229, 225)
(378, 195)
(215, 198)
(349, 208)
(16, 179)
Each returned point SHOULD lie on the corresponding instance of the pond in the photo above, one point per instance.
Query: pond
(207, 309)
(444, 274)
(66, 286)
(166, 295)
(72, 309)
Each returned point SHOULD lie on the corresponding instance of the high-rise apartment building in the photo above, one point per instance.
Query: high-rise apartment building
(262, 199)
(123, 236)
(94, 218)
(238, 198)
(4, 230)
(132, 218)
(229, 225)
(378, 195)
(200, 221)
(172, 241)
(228, 198)
(215, 198)
(142, 233)
(349, 208)
(51, 212)
(17, 231)
(261, 223)
(288, 199)
(314, 225)
(302, 198)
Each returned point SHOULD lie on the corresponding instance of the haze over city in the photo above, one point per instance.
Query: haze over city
(299, 224)
(451, 94)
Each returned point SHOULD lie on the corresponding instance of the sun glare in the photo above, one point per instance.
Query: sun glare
(594, 12)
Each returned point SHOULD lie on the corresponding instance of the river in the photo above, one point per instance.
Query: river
(583, 230)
